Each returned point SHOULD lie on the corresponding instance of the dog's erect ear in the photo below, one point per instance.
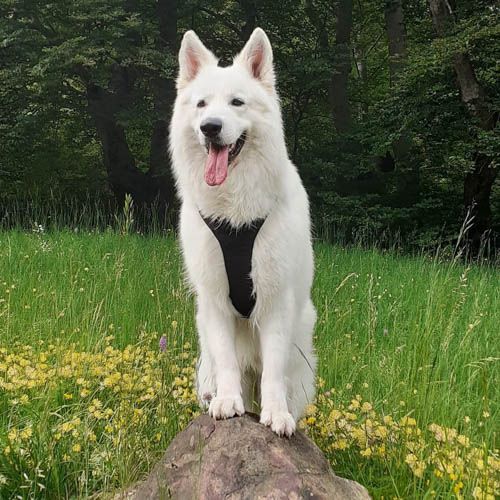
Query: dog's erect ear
(192, 56)
(257, 57)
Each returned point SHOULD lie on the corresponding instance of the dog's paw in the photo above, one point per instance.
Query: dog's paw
(226, 407)
(280, 421)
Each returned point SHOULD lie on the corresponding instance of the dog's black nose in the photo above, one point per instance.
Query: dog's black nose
(211, 127)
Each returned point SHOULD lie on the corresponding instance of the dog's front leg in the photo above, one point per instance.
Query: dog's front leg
(275, 350)
(220, 330)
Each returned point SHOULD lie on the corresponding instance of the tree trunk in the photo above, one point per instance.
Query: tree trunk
(396, 34)
(338, 91)
(249, 8)
(478, 183)
(359, 55)
(346, 184)
(318, 20)
(123, 175)
(471, 93)
(163, 100)
(477, 192)
(408, 174)
(103, 104)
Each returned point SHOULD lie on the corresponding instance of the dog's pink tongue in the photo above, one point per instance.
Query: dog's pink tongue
(216, 166)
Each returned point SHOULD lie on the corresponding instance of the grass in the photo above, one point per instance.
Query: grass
(408, 366)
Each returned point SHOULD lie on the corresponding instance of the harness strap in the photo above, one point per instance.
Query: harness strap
(237, 249)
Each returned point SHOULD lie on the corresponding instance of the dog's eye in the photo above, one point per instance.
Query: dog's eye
(201, 104)
(237, 102)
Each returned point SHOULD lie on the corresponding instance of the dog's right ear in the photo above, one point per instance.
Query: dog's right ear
(192, 56)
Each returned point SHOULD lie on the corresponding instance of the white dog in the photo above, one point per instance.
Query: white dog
(245, 236)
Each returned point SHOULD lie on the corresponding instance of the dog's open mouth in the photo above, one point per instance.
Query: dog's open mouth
(219, 157)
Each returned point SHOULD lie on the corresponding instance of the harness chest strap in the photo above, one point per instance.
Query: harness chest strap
(237, 248)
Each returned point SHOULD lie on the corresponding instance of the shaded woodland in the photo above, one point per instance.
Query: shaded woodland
(390, 107)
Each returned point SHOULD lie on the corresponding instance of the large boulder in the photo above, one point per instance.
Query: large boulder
(239, 458)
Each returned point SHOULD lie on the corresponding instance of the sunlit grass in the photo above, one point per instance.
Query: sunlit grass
(90, 398)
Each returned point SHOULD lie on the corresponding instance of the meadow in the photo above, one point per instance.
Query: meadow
(98, 350)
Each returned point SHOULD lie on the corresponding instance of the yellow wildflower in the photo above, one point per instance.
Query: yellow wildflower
(26, 433)
(366, 407)
(408, 421)
(341, 444)
(310, 410)
(354, 405)
(66, 427)
(13, 435)
(334, 415)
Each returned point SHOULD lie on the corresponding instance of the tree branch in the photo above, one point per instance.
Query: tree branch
(36, 23)
(224, 20)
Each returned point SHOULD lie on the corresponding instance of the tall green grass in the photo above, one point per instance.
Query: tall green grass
(60, 213)
(415, 329)
(414, 336)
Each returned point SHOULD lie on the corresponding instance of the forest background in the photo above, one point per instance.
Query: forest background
(390, 107)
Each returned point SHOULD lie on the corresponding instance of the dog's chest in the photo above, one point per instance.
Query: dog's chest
(237, 249)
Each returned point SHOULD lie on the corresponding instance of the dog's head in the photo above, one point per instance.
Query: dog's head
(224, 109)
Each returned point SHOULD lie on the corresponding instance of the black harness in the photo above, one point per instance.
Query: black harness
(237, 248)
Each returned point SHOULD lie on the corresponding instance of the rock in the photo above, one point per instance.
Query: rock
(239, 458)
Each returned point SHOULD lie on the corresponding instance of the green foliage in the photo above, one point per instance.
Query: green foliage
(52, 53)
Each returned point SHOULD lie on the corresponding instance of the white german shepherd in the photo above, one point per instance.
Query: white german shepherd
(245, 235)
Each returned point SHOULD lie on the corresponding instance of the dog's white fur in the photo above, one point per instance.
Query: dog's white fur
(272, 350)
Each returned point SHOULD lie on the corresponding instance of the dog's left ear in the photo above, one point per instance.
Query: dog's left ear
(257, 57)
